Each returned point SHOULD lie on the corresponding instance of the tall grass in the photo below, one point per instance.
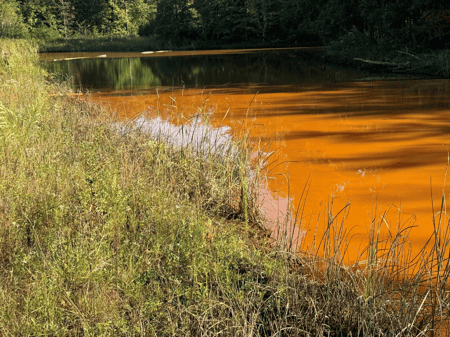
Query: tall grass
(106, 230)
(145, 43)
(111, 44)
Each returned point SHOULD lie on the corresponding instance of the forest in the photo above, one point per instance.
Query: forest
(414, 25)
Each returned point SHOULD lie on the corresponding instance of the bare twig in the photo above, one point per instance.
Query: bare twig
(381, 63)
(409, 54)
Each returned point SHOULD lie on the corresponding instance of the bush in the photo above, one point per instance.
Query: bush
(45, 33)
(352, 44)
(11, 21)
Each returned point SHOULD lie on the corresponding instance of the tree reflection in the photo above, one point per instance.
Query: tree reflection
(269, 67)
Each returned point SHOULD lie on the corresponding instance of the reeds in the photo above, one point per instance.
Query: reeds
(108, 230)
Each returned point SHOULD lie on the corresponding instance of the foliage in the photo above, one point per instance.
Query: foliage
(174, 18)
(351, 44)
(104, 44)
(396, 36)
(65, 18)
(11, 21)
(382, 27)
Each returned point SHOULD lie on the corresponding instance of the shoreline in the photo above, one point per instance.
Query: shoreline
(120, 233)
(151, 47)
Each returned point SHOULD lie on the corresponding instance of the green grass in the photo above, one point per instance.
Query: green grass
(152, 42)
(104, 233)
(123, 44)
(111, 44)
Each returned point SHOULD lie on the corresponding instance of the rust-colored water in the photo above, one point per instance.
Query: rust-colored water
(375, 144)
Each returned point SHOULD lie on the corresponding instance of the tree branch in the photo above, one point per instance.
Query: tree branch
(409, 54)
(381, 63)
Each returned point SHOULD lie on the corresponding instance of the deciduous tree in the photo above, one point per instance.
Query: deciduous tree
(11, 20)
(174, 18)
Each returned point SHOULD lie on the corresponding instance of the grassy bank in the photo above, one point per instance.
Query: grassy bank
(111, 44)
(106, 232)
(154, 42)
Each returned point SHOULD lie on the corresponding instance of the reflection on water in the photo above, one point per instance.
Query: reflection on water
(380, 145)
(200, 69)
(195, 135)
(198, 135)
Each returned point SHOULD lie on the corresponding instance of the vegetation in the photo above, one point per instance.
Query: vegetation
(106, 231)
(355, 49)
(387, 32)
(402, 36)
(105, 44)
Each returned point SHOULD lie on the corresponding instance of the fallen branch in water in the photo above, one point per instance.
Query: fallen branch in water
(409, 54)
(382, 63)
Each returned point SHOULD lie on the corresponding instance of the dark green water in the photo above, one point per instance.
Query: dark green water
(197, 70)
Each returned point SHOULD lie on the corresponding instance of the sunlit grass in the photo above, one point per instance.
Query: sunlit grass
(148, 43)
(106, 230)
(86, 44)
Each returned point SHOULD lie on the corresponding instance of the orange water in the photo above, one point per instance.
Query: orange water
(376, 144)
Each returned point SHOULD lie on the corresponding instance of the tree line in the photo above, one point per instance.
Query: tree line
(414, 24)
(68, 18)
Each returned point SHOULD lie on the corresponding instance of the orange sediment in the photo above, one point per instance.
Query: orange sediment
(379, 145)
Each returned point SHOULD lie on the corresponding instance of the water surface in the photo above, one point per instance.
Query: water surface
(136, 71)
(380, 145)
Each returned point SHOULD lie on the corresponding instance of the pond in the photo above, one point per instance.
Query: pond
(378, 144)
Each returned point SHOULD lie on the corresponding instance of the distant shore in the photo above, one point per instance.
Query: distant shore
(433, 64)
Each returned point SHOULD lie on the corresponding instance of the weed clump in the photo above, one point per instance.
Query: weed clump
(107, 232)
